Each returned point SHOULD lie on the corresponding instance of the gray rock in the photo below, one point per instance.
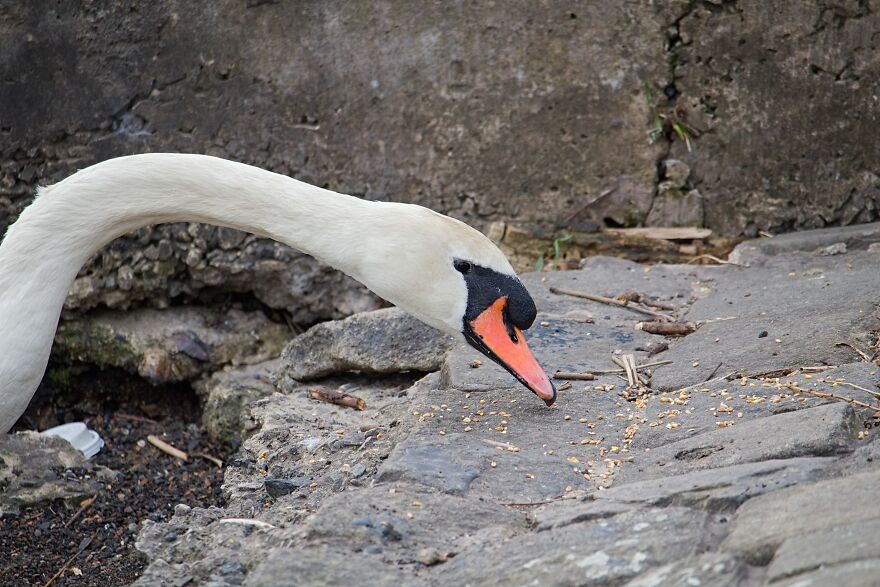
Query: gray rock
(282, 487)
(316, 567)
(176, 344)
(439, 464)
(406, 521)
(603, 552)
(860, 237)
(558, 514)
(384, 341)
(854, 574)
(821, 431)
(764, 523)
(36, 468)
(717, 489)
(706, 569)
(826, 549)
(574, 496)
(795, 298)
(226, 394)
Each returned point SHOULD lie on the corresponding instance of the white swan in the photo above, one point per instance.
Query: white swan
(440, 270)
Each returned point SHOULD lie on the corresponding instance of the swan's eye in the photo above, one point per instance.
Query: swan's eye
(462, 266)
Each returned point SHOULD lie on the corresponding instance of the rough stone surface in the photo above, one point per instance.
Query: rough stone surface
(855, 574)
(286, 568)
(766, 522)
(718, 489)
(175, 344)
(820, 431)
(602, 552)
(837, 545)
(225, 395)
(793, 298)
(35, 468)
(707, 569)
(384, 341)
(464, 477)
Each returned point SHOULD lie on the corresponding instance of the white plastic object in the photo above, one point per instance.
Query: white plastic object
(78, 434)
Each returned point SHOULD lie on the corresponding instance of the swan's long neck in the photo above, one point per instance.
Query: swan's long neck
(69, 221)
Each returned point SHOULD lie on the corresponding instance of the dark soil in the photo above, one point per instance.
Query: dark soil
(38, 542)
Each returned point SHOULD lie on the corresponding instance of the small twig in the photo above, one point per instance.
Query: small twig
(667, 328)
(594, 372)
(563, 387)
(817, 368)
(135, 418)
(532, 503)
(574, 376)
(167, 448)
(63, 568)
(861, 353)
(659, 305)
(711, 258)
(214, 460)
(505, 445)
(853, 385)
(610, 302)
(627, 368)
(337, 397)
(247, 522)
(714, 371)
(829, 395)
(583, 207)
(86, 503)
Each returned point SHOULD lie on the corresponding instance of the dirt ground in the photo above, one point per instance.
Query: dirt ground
(95, 538)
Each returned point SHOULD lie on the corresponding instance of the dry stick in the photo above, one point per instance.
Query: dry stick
(135, 418)
(70, 560)
(711, 258)
(854, 386)
(337, 397)
(610, 302)
(214, 460)
(531, 503)
(627, 370)
(829, 395)
(628, 362)
(574, 376)
(862, 354)
(85, 505)
(167, 448)
(506, 445)
(667, 328)
(585, 375)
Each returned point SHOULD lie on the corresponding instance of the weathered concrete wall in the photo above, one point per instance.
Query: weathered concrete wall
(537, 112)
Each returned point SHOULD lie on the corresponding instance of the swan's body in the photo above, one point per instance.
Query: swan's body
(402, 252)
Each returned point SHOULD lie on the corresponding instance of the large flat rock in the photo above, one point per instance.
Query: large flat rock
(820, 431)
(786, 311)
(603, 552)
(464, 477)
(766, 522)
(174, 344)
(383, 341)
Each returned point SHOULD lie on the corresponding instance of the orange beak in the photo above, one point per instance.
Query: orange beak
(492, 334)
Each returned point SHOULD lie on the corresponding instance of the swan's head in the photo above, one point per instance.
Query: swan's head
(452, 277)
